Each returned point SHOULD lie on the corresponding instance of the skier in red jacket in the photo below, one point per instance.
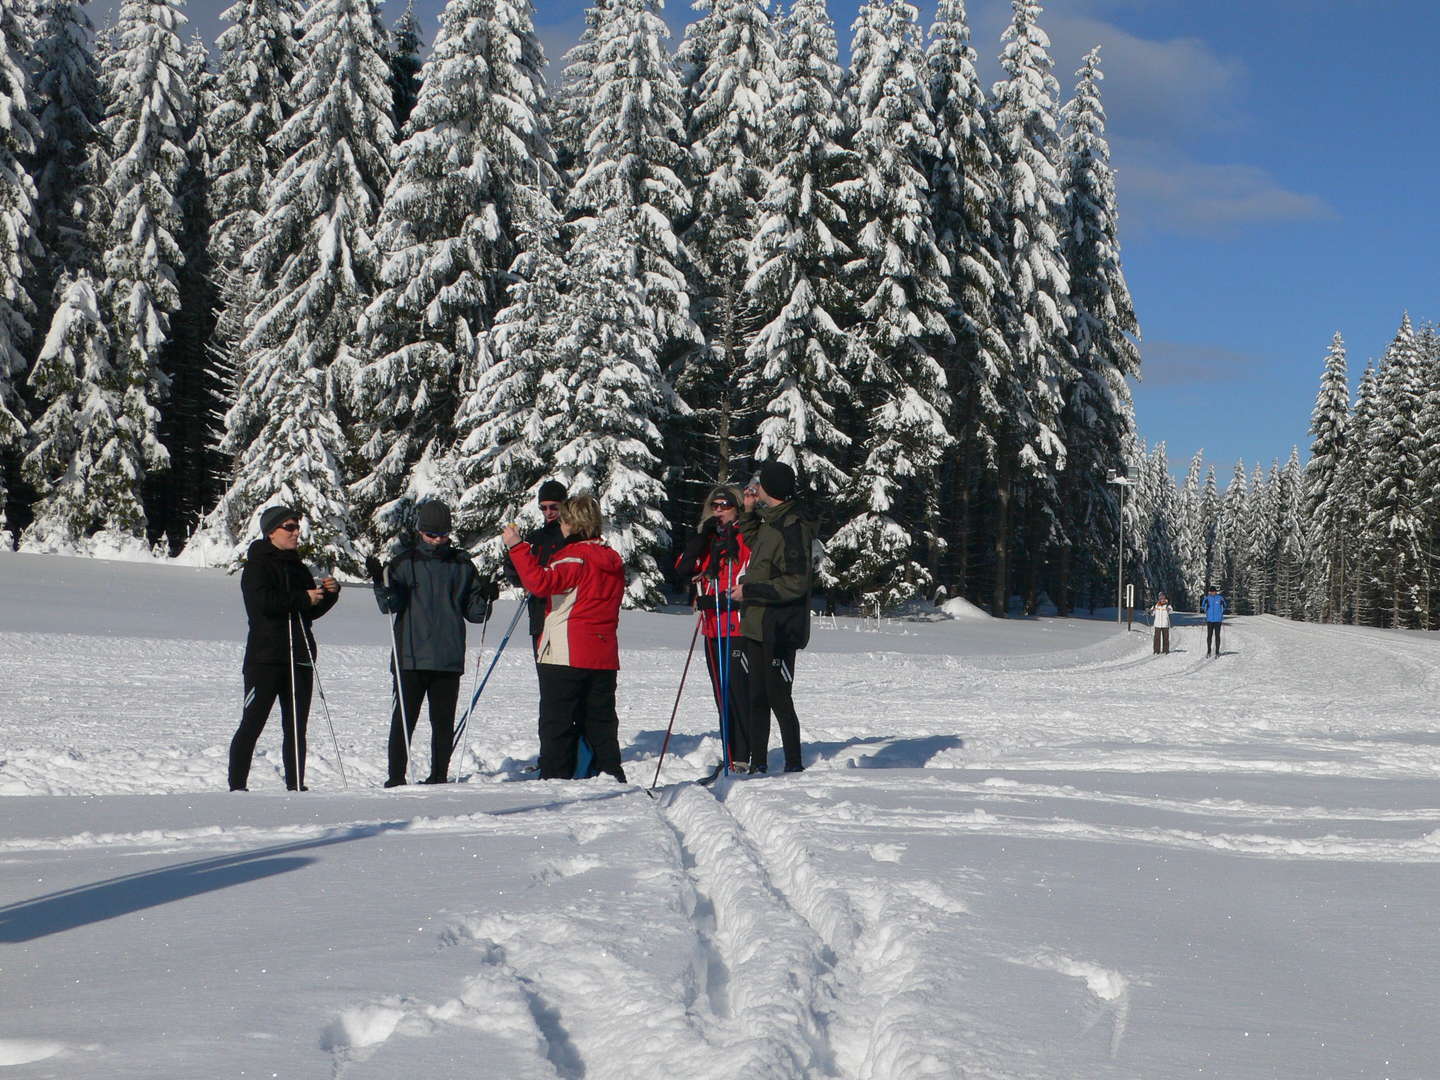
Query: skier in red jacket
(579, 652)
(714, 561)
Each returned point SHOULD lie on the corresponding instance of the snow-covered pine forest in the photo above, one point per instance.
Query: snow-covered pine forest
(309, 267)
(1350, 536)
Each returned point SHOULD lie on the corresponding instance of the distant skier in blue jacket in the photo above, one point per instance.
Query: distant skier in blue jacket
(1214, 608)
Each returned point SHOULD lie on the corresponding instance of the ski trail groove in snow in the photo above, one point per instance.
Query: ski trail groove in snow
(775, 1011)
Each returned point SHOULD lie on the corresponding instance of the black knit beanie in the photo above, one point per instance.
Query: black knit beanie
(552, 491)
(778, 480)
(275, 516)
(433, 517)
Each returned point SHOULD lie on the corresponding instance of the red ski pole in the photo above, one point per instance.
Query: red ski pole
(666, 744)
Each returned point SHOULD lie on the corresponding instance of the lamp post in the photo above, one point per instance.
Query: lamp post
(1122, 482)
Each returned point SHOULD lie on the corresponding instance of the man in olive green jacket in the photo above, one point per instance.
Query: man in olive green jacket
(775, 614)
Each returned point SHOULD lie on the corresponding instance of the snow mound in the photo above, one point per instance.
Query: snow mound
(960, 608)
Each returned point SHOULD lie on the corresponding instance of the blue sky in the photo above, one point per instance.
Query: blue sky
(1277, 164)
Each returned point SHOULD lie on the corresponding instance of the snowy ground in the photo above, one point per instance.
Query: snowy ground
(1022, 850)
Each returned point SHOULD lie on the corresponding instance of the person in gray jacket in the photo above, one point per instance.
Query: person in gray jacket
(432, 589)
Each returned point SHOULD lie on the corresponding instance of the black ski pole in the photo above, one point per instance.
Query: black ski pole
(666, 744)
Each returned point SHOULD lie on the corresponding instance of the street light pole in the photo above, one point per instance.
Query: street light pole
(1122, 482)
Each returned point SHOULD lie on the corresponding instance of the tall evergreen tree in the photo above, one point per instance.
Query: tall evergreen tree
(79, 448)
(149, 109)
(68, 109)
(797, 362)
(316, 254)
(1099, 415)
(502, 456)
(259, 59)
(900, 281)
(570, 107)
(605, 398)
(1324, 494)
(731, 104)
(1354, 483)
(405, 46)
(1025, 106)
(968, 211)
(447, 235)
(19, 137)
(636, 160)
(1393, 465)
(191, 426)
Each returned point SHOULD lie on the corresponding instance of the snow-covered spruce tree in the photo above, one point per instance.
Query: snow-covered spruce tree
(797, 363)
(1189, 536)
(406, 44)
(887, 545)
(1210, 514)
(570, 106)
(1233, 539)
(1324, 496)
(191, 427)
(1098, 417)
(968, 212)
(149, 109)
(258, 61)
(1394, 465)
(78, 449)
(19, 138)
(1363, 601)
(605, 397)
(447, 235)
(730, 104)
(316, 255)
(1427, 344)
(1260, 536)
(68, 109)
(1293, 540)
(1024, 111)
(637, 161)
(502, 457)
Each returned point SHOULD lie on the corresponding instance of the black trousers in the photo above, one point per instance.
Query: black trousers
(1162, 639)
(574, 702)
(1212, 633)
(264, 683)
(738, 719)
(441, 689)
(772, 677)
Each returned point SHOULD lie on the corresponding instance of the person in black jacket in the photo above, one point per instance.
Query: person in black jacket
(281, 600)
(544, 543)
(432, 589)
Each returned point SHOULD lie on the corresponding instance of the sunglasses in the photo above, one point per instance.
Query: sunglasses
(290, 526)
(722, 504)
(550, 506)
(435, 536)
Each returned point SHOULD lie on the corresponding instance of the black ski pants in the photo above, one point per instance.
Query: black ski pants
(772, 678)
(574, 702)
(738, 676)
(441, 689)
(1212, 633)
(1162, 639)
(264, 684)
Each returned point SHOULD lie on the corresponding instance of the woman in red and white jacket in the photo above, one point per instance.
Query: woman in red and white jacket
(714, 561)
(579, 653)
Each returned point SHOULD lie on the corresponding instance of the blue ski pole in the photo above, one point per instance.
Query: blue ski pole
(462, 729)
(722, 603)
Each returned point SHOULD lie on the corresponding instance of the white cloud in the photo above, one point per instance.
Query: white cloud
(1176, 363)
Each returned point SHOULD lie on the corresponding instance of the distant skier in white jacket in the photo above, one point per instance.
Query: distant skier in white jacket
(1160, 620)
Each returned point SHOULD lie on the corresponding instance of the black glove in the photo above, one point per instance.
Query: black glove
(709, 525)
(490, 590)
(375, 570)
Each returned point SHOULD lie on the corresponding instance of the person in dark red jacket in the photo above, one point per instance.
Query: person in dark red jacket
(579, 651)
(714, 560)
